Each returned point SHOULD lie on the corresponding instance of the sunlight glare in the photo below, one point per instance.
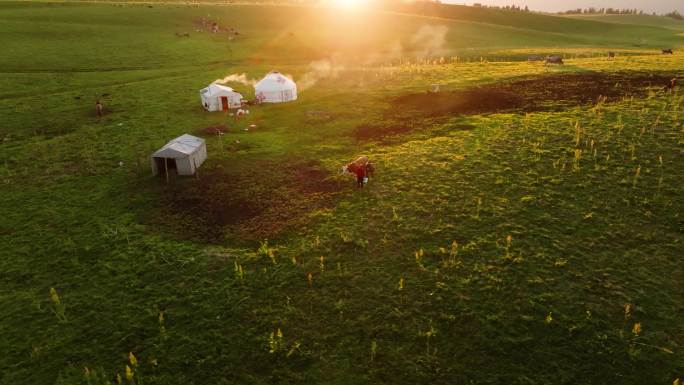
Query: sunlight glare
(347, 4)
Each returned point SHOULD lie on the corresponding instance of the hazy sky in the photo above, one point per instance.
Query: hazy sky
(659, 6)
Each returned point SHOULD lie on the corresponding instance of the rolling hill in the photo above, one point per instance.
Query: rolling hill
(647, 20)
(285, 34)
(524, 224)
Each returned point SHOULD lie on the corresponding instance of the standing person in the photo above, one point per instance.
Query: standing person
(98, 108)
(360, 176)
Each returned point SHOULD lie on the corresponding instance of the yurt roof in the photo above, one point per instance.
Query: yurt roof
(217, 89)
(181, 146)
(276, 81)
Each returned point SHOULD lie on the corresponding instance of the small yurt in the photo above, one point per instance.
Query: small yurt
(182, 155)
(275, 88)
(219, 98)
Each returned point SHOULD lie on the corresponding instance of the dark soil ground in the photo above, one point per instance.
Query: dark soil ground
(407, 113)
(270, 199)
(546, 93)
(213, 130)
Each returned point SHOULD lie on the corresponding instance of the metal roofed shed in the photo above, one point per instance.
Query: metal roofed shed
(183, 155)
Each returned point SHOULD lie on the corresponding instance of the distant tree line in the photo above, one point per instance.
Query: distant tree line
(617, 11)
(506, 7)
(675, 15)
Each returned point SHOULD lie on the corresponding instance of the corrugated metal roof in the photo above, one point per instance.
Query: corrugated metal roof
(182, 146)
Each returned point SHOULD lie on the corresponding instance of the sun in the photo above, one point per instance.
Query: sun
(347, 4)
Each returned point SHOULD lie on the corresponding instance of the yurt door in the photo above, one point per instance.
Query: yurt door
(224, 103)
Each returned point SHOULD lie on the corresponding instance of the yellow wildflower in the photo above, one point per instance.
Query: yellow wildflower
(129, 373)
(54, 297)
(132, 359)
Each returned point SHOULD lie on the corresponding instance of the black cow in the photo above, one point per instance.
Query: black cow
(667, 51)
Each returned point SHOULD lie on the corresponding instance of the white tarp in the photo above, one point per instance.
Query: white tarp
(184, 154)
(275, 88)
(216, 97)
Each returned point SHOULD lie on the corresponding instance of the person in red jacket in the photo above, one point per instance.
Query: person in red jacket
(360, 176)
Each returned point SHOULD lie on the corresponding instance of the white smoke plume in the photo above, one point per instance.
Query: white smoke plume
(429, 40)
(390, 54)
(318, 70)
(237, 78)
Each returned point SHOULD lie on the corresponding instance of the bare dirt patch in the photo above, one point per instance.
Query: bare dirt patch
(248, 204)
(545, 93)
(213, 130)
(408, 113)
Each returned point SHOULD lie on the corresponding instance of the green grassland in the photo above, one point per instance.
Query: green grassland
(538, 247)
(650, 20)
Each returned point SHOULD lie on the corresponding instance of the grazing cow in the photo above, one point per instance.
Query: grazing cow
(535, 58)
(361, 163)
(555, 59)
(611, 55)
(671, 85)
(667, 51)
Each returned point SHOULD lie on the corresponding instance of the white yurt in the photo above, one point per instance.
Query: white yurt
(275, 88)
(183, 154)
(217, 97)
